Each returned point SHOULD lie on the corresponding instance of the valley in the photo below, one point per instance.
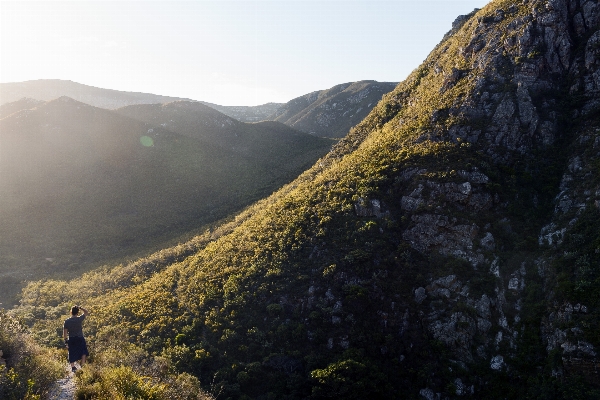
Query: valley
(85, 186)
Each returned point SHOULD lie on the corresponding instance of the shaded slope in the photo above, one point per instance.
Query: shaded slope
(332, 112)
(447, 245)
(271, 143)
(50, 89)
(82, 185)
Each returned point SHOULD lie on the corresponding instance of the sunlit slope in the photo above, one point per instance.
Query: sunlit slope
(332, 112)
(82, 185)
(446, 245)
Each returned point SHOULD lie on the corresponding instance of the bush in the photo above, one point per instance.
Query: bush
(30, 369)
(349, 379)
(116, 383)
(125, 371)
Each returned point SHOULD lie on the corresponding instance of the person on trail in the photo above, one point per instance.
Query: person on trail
(73, 335)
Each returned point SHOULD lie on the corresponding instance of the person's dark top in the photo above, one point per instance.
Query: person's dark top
(73, 325)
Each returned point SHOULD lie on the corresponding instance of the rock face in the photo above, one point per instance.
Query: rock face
(522, 62)
(523, 86)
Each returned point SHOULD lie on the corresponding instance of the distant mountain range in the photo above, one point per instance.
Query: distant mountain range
(80, 188)
(24, 103)
(50, 89)
(263, 139)
(332, 112)
(81, 185)
(326, 113)
(248, 113)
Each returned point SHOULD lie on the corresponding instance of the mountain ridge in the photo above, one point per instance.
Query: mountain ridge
(49, 89)
(325, 112)
(247, 113)
(321, 113)
(24, 103)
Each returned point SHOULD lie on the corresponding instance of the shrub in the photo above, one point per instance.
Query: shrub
(120, 382)
(30, 369)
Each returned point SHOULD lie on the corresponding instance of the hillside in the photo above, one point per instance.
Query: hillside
(21, 104)
(332, 112)
(271, 143)
(50, 89)
(325, 113)
(446, 247)
(83, 185)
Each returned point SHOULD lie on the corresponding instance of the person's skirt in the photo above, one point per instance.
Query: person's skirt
(77, 348)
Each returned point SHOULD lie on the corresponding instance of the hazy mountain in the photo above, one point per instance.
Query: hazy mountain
(247, 113)
(332, 112)
(447, 247)
(21, 104)
(325, 113)
(82, 185)
(265, 141)
(50, 89)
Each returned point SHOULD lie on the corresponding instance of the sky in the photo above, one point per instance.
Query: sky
(225, 52)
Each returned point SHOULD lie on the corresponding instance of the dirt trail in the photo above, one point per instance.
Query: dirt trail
(64, 389)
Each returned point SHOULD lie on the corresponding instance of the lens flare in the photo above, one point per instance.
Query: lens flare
(147, 141)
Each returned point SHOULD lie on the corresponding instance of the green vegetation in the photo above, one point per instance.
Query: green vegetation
(121, 370)
(30, 370)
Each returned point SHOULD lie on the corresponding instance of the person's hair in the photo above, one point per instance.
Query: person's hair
(74, 310)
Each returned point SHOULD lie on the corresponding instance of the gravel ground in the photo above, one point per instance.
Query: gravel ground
(64, 389)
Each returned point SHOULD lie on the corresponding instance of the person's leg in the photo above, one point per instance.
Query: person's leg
(83, 360)
(70, 357)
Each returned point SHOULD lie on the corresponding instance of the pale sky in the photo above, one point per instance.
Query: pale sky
(225, 52)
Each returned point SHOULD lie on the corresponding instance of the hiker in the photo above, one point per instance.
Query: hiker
(73, 336)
